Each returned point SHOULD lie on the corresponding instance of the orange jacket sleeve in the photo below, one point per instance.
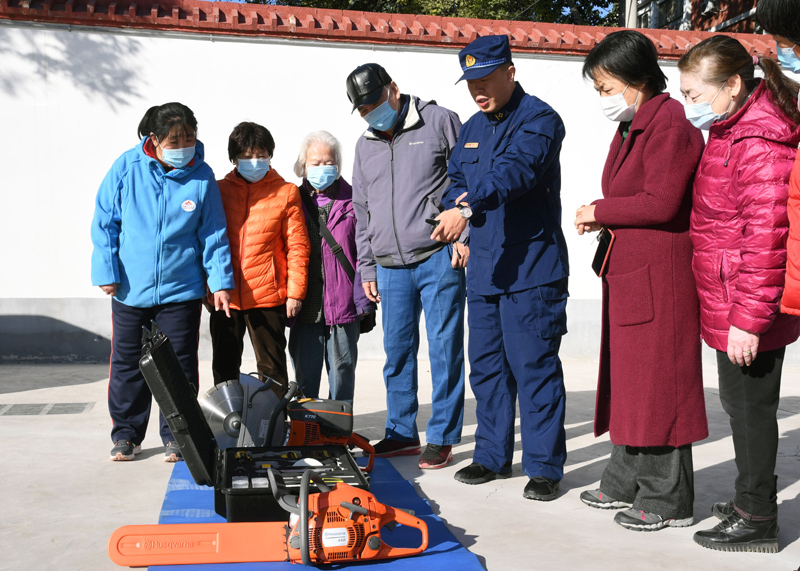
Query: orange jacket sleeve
(298, 248)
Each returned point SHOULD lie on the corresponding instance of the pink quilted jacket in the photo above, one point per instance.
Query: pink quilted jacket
(739, 224)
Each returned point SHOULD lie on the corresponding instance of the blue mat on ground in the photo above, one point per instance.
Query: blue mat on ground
(186, 502)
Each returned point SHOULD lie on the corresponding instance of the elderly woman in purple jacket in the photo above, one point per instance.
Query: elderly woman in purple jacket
(328, 326)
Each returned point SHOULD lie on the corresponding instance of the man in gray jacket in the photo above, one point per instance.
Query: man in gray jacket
(399, 175)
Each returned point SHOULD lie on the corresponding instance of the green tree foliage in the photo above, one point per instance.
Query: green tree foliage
(580, 12)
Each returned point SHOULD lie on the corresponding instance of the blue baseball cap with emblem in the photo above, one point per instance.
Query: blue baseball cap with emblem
(483, 56)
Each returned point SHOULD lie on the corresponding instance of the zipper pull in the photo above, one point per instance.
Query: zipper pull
(728, 157)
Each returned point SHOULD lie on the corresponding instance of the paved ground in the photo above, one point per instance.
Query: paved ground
(61, 497)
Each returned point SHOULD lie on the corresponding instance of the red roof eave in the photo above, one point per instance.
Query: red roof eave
(268, 21)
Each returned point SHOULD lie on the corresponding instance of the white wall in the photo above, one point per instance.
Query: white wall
(70, 102)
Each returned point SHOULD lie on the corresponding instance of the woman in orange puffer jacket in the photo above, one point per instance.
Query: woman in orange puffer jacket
(269, 253)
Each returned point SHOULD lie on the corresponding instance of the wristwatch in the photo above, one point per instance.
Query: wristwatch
(466, 211)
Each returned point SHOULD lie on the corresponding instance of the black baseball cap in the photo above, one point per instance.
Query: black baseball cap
(365, 84)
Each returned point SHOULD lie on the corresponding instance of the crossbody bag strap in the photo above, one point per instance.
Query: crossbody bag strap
(337, 250)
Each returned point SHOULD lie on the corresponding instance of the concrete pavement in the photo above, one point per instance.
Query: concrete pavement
(61, 497)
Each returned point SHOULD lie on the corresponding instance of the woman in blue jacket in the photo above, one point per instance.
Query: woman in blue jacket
(159, 240)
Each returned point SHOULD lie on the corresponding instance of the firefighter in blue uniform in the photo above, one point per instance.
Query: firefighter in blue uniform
(506, 183)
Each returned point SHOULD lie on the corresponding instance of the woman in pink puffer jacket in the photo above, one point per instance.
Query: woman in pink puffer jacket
(738, 229)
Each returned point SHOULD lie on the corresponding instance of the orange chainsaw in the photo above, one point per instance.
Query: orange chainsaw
(340, 524)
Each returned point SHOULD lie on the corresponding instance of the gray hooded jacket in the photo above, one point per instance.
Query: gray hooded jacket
(398, 183)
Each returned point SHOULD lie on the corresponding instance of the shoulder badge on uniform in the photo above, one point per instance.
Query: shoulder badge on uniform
(471, 145)
(470, 61)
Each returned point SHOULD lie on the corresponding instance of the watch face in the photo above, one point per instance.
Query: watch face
(466, 212)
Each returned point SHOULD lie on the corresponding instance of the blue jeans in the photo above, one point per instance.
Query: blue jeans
(311, 343)
(434, 287)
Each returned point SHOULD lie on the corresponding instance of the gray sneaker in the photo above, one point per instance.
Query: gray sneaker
(173, 452)
(124, 450)
(601, 501)
(640, 520)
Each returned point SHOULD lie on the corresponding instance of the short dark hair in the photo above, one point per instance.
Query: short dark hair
(629, 56)
(161, 119)
(247, 136)
(780, 17)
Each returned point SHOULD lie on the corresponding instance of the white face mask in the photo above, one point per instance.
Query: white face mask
(616, 108)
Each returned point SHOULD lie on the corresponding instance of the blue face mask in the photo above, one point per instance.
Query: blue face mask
(702, 115)
(322, 177)
(253, 170)
(789, 59)
(382, 118)
(177, 158)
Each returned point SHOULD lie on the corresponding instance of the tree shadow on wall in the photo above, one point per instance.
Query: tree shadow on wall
(99, 65)
(36, 339)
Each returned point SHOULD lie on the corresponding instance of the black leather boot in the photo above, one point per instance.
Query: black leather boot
(735, 533)
(721, 510)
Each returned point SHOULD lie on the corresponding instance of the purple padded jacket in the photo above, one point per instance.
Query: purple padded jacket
(343, 300)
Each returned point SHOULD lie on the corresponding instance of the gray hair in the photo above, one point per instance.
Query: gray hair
(324, 138)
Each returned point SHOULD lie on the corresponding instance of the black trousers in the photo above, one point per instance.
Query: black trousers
(656, 479)
(129, 397)
(266, 326)
(750, 396)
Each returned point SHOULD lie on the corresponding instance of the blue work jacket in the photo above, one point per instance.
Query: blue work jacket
(508, 163)
(160, 235)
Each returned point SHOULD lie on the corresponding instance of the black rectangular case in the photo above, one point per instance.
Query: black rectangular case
(238, 475)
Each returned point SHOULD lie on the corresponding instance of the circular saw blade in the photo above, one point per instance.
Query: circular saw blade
(222, 407)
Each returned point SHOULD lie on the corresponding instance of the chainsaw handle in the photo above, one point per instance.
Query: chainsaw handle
(273, 418)
(363, 443)
(305, 481)
(397, 515)
(287, 501)
(305, 555)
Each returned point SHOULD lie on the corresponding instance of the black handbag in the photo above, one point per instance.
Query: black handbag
(367, 324)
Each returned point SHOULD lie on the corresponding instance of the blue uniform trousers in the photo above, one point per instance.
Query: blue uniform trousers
(129, 397)
(513, 349)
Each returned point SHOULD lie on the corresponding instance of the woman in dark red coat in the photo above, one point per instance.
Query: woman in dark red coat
(650, 388)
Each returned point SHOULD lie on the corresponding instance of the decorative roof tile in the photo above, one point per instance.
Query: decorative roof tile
(235, 19)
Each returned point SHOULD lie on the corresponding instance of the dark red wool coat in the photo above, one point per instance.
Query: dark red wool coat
(650, 387)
